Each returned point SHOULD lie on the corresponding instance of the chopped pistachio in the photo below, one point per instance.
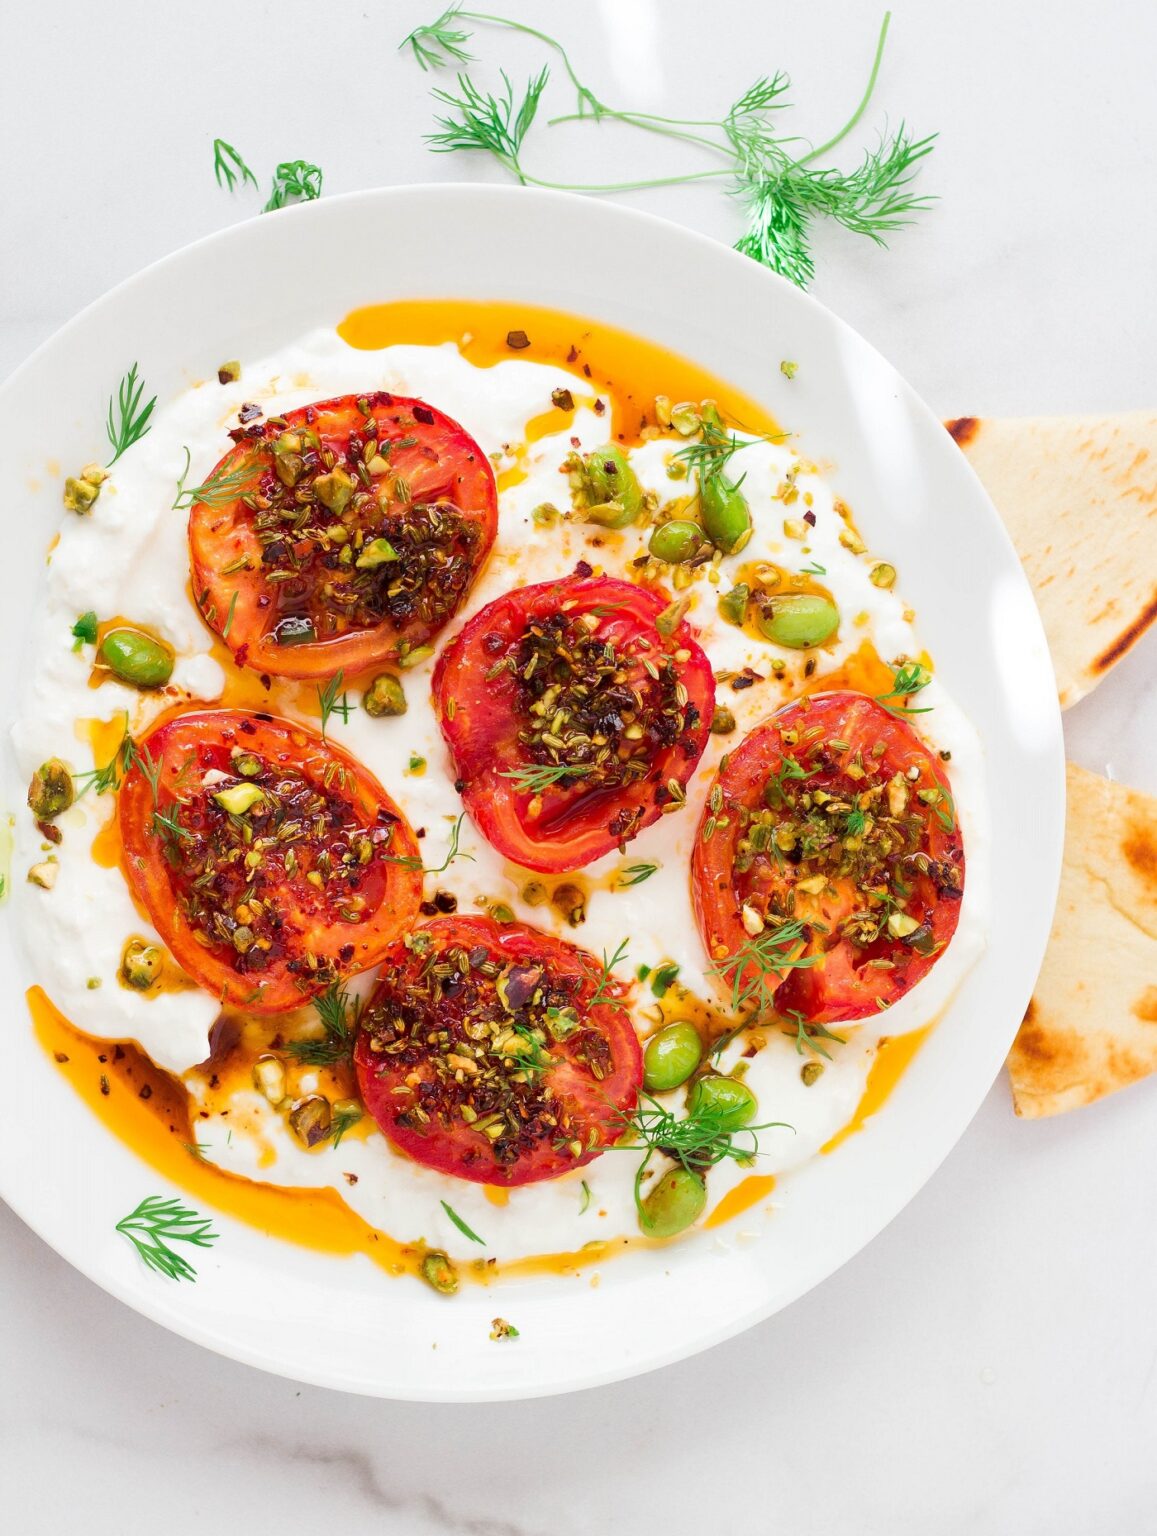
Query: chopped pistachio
(796, 528)
(245, 763)
(414, 658)
(733, 604)
(545, 515)
(269, 1077)
(80, 494)
(51, 791)
(141, 964)
(44, 874)
(882, 575)
(335, 489)
(385, 696)
(900, 925)
(229, 372)
(810, 1071)
(788, 368)
(535, 894)
(671, 617)
(850, 539)
(686, 418)
(437, 1271)
(239, 798)
(570, 903)
(310, 1119)
(377, 552)
(501, 1329)
(722, 721)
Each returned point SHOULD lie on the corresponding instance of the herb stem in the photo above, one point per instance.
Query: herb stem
(838, 138)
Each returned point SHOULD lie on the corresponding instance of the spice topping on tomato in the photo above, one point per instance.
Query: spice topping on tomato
(341, 535)
(270, 862)
(829, 867)
(496, 1053)
(575, 712)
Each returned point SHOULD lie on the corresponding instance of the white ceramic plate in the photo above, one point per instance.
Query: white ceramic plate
(340, 1322)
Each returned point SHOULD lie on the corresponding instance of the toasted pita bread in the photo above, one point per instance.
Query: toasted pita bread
(1091, 1027)
(1078, 495)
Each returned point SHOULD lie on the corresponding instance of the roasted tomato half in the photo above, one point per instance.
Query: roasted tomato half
(829, 867)
(270, 861)
(341, 535)
(575, 712)
(496, 1053)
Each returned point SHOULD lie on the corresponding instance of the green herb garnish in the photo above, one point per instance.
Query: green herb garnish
(783, 192)
(754, 970)
(294, 180)
(327, 697)
(634, 874)
(222, 486)
(533, 778)
(808, 1036)
(229, 167)
(408, 861)
(84, 630)
(340, 1014)
(907, 680)
(128, 421)
(461, 1225)
(155, 1224)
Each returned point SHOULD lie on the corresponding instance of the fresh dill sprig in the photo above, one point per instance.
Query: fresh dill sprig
(945, 809)
(584, 1205)
(342, 1121)
(634, 874)
(128, 420)
(155, 1224)
(855, 823)
(294, 180)
(439, 43)
(340, 1014)
(221, 488)
(782, 190)
(327, 697)
(808, 1036)
(603, 993)
(494, 124)
(109, 777)
(229, 167)
(461, 1225)
(453, 852)
(84, 631)
(697, 1141)
(907, 680)
(533, 778)
(814, 569)
(756, 968)
(530, 1057)
(229, 623)
(443, 42)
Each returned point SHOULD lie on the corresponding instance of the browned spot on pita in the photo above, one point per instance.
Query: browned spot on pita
(1123, 643)
(963, 429)
(1139, 846)
(1145, 1008)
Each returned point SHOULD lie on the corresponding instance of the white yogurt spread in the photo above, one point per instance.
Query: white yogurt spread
(129, 557)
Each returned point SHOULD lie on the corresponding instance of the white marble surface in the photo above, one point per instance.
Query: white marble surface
(987, 1365)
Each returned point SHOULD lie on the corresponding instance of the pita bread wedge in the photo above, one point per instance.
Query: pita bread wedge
(1078, 495)
(1091, 1027)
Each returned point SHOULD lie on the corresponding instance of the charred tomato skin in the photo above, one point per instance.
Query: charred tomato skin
(236, 545)
(825, 734)
(416, 1094)
(477, 696)
(311, 933)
